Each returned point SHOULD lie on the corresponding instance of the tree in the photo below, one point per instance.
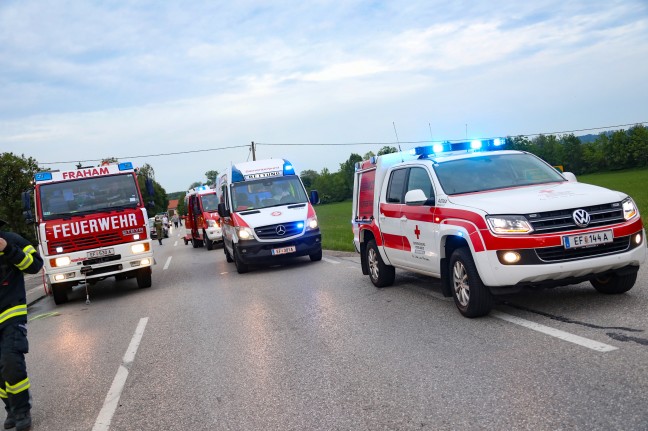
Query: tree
(211, 177)
(195, 184)
(368, 155)
(309, 177)
(573, 159)
(387, 150)
(16, 175)
(347, 170)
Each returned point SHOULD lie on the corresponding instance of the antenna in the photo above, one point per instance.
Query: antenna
(430, 127)
(398, 142)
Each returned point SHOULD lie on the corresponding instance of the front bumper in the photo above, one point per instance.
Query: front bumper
(214, 234)
(256, 251)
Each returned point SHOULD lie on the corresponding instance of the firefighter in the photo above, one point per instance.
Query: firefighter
(17, 255)
(159, 229)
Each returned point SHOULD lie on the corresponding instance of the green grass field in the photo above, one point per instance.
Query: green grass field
(335, 219)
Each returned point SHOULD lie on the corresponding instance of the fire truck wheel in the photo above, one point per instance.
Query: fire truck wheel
(228, 257)
(59, 291)
(241, 267)
(471, 297)
(185, 241)
(615, 283)
(144, 278)
(208, 242)
(196, 242)
(381, 274)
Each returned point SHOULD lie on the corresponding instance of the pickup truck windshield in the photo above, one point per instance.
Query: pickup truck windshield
(268, 192)
(88, 195)
(492, 172)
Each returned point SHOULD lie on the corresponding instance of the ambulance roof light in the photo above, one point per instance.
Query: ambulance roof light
(288, 168)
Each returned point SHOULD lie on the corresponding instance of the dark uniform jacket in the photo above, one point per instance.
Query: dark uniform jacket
(18, 256)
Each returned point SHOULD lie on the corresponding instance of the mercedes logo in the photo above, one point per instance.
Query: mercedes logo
(581, 218)
(281, 229)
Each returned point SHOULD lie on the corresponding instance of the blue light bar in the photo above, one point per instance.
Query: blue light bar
(288, 168)
(126, 166)
(43, 176)
(446, 147)
(237, 175)
(475, 145)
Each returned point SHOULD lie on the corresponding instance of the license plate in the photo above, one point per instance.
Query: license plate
(283, 250)
(101, 253)
(588, 239)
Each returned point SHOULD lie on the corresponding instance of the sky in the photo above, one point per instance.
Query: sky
(186, 86)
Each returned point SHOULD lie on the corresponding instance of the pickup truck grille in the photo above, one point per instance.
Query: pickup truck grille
(562, 220)
(280, 230)
(557, 254)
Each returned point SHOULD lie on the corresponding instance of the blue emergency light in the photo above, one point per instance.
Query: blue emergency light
(43, 176)
(125, 166)
(288, 168)
(445, 147)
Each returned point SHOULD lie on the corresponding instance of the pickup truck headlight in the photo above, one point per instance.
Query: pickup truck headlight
(629, 209)
(245, 233)
(509, 224)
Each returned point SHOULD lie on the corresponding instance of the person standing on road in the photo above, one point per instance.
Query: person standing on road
(17, 255)
(159, 229)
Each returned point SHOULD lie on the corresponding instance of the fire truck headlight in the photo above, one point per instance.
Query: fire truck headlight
(212, 223)
(512, 224)
(629, 209)
(245, 233)
(311, 223)
(139, 248)
(60, 261)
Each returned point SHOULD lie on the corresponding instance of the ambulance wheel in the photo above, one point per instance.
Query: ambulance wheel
(317, 256)
(381, 274)
(614, 283)
(59, 291)
(241, 267)
(228, 257)
(208, 242)
(144, 278)
(471, 297)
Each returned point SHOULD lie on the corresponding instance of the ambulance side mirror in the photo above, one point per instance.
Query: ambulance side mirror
(415, 197)
(314, 197)
(222, 211)
(570, 177)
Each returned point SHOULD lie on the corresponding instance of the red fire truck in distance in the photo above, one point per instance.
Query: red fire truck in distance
(91, 224)
(202, 223)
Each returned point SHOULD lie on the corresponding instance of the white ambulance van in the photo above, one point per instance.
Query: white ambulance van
(266, 214)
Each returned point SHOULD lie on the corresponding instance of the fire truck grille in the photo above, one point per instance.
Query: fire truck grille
(279, 231)
(558, 254)
(563, 220)
(85, 243)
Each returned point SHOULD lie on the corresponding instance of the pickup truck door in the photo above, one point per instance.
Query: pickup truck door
(419, 229)
(390, 217)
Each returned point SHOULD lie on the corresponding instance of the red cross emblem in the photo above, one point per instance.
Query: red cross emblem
(417, 232)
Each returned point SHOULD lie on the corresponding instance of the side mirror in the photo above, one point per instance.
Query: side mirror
(415, 197)
(314, 197)
(26, 204)
(570, 177)
(222, 211)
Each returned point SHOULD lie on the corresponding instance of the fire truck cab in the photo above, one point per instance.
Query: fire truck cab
(266, 214)
(202, 223)
(91, 224)
(488, 221)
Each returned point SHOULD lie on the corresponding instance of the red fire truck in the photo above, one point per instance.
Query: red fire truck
(202, 223)
(91, 224)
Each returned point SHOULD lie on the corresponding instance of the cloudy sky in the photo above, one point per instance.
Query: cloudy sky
(138, 80)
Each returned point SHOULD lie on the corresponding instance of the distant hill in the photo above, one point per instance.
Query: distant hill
(591, 138)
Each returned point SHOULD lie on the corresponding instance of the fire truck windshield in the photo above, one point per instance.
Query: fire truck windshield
(210, 202)
(88, 195)
(494, 171)
(268, 192)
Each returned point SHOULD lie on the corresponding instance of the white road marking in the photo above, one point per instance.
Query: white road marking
(565, 336)
(224, 273)
(166, 265)
(175, 243)
(114, 393)
(334, 262)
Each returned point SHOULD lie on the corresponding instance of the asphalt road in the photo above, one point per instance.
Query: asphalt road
(313, 345)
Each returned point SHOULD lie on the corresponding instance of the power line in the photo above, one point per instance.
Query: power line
(338, 144)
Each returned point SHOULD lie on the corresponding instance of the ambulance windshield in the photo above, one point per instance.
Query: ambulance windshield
(88, 195)
(492, 172)
(268, 192)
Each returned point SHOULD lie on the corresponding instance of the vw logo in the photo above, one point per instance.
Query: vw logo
(581, 218)
(281, 229)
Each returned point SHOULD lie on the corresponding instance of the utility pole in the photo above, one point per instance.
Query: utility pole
(253, 151)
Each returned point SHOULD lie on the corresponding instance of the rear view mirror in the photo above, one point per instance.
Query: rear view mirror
(314, 197)
(26, 206)
(222, 211)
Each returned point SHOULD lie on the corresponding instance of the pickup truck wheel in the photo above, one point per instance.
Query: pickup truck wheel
(241, 267)
(208, 242)
(614, 284)
(471, 297)
(59, 292)
(381, 274)
(144, 278)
